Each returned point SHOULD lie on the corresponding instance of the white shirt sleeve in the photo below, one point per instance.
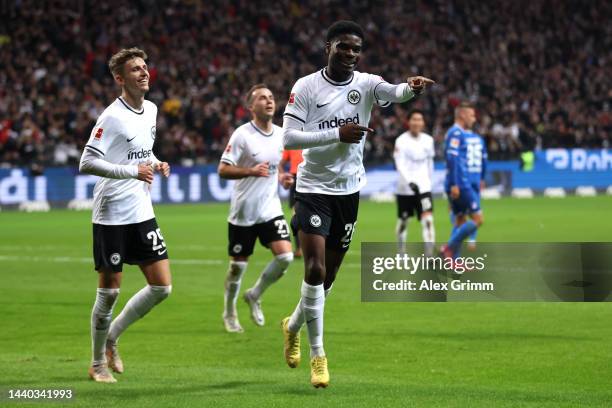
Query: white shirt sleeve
(296, 115)
(234, 149)
(295, 138)
(92, 160)
(93, 163)
(298, 104)
(384, 91)
(103, 134)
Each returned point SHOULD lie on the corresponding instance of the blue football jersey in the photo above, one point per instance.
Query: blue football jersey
(465, 154)
(476, 158)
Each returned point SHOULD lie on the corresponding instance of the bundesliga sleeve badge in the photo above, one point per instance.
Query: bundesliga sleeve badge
(98, 135)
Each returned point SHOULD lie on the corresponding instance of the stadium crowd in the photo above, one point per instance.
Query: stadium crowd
(535, 69)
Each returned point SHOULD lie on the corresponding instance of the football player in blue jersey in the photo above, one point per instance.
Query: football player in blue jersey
(477, 168)
(464, 156)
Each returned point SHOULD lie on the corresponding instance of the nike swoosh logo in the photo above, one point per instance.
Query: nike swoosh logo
(325, 104)
(312, 320)
(161, 252)
(129, 140)
(255, 154)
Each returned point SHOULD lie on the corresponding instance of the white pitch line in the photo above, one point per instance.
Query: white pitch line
(60, 247)
(174, 261)
(73, 259)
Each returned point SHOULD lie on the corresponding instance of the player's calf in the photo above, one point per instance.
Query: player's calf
(232, 286)
(137, 307)
(429, 233)
(271, 273)
(101, 317)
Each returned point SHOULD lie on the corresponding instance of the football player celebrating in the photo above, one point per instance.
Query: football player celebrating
(120, 151)
(327, 115)
(252, 157)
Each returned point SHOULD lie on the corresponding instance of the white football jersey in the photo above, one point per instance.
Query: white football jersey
(414, 162)
(254, 199)
(320, 103)
(123, 135)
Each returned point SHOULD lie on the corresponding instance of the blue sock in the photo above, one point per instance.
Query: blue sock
(473, 235)
(460, 234)
(452, 220)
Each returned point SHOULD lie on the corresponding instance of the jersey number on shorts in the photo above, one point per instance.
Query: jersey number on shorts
(283, 228)
(348, 237)
(155, 236)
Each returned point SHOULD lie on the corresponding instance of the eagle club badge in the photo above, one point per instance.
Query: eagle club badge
(353, 96)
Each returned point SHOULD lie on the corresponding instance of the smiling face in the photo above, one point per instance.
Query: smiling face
(343, 54)
(134, 77)
(262, 104)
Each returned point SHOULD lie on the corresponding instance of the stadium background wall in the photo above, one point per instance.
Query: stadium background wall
(563, 168)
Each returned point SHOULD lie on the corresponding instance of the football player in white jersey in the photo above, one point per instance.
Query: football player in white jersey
(413, 155)
(327, 115)
(119, 150)
(252, 157)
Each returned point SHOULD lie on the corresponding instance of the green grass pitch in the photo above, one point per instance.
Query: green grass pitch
(397, 354)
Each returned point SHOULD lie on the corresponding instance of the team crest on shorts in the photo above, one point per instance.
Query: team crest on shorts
(115, 258)
(237, 248)
(353, 97)
(153, 131)
(315, 221)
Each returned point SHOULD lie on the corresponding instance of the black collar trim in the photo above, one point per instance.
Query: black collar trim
(335, 83)
(130, 108)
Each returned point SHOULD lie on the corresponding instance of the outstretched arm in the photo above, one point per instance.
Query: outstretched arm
(413, 86)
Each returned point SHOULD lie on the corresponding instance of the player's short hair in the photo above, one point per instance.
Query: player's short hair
(118, 60)
(463, 105)
(248, 97)
(414, 112)
(344, 27)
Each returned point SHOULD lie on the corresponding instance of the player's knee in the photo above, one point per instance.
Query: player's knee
(110, 297)
(161, 292)
(401, 225)
(479, 220)
(315, 268)
(236, 270)
(284, 260)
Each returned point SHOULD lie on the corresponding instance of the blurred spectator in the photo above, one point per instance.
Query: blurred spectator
(536, 69)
